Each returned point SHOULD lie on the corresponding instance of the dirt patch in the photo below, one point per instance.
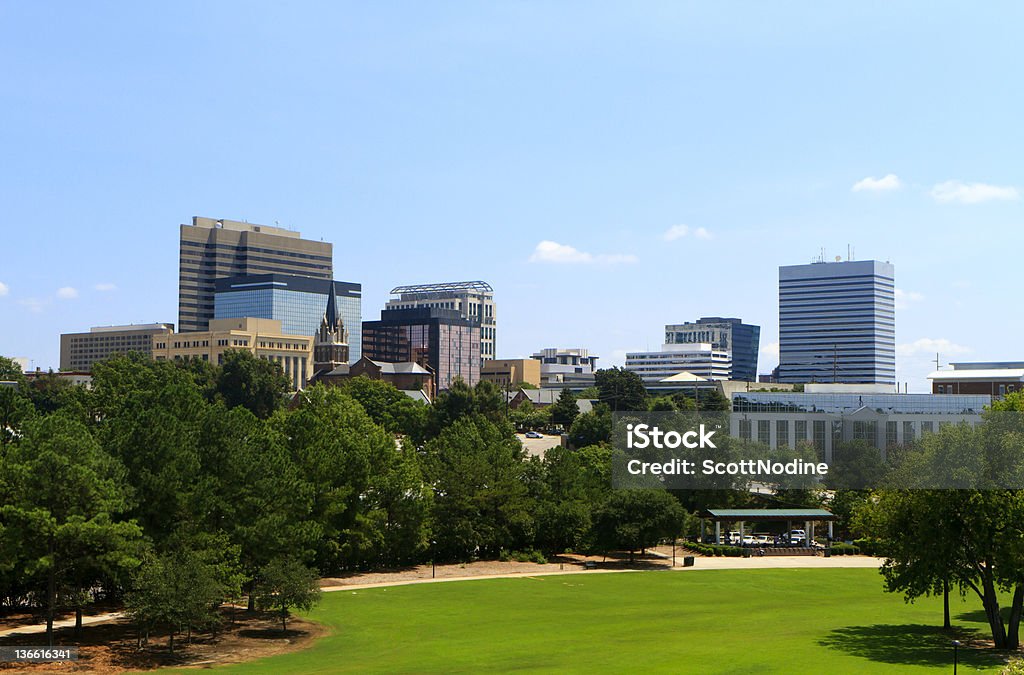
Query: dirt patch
(111, 647)
(562, 563)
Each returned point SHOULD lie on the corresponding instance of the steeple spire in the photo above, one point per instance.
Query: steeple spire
(330, 345)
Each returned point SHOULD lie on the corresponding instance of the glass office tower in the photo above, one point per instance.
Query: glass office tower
(298, 303)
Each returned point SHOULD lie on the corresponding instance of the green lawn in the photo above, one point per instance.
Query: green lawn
(728, 621)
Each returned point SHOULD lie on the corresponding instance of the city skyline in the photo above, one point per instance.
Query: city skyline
(607, 173)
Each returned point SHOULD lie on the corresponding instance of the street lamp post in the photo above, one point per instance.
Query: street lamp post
(956, 656)
(433, 557)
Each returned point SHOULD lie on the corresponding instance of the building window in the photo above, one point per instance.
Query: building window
(745, 429)
(764, 431)
(891, 432)
(782, 433)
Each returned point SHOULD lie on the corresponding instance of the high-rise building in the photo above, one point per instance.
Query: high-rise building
(213, 249)
(441, 340)
(837, 323)
(263, 337)
(701, 360)
(299, 303)
(79, 351)
(740, 339)
(474, 300)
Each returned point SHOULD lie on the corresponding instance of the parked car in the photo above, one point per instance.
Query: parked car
(797, 537)
(534, 434)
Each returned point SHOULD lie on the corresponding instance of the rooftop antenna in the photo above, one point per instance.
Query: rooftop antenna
(937, 365)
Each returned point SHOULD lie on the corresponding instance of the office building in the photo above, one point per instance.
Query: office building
(263, 337)
(740, 339)
(511, 373)
(79, 351)
(440, 340)
(473, 300)
(299, 303)
(566, 367)
(994, 378)
(837, 323)
(700, 360)
(214, 249)
(825, 417)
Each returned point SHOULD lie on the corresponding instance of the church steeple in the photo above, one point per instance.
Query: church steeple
(330, 345)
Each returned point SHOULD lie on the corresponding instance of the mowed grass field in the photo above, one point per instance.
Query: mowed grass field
(715, 621)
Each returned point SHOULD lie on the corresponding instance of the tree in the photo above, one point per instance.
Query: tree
(150, 416)
(591, 428)
(286, 583)
(10, 371)
(64, 495)
(480, 500)
(337, 449)
(571, 486)
(634, 520)
(181, 590)
(255, 383)
(620, 389)
(389, 407)
(564, 410)
(970, 537)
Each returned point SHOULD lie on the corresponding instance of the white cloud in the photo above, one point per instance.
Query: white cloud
(971, 193)
(904, 298)
(553, 252)
(884, 184)
(675, 232)
(929, 347)
(4, 290)
(67, 293)
(680, 231)
(105, 286)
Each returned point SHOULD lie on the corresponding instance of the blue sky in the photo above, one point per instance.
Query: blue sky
(437, 141)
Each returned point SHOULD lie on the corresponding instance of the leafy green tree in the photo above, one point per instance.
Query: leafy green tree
(150, 416)
(564, 410)
(525, 417)
(15, 410)
(634, 520)
(10, 371)
(661, 404)
(856, 465)
(181, 590)
(399, 505)
(252, 382)
(389, 407)
(337, 449)
(572, 486)
(591, 428)
(285, 583)
(480, 501)
(251, 489)
(970, 537)
(60, 514)
(620, 389)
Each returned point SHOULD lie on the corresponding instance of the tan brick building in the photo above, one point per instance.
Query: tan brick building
(513, 373)
(262, 337)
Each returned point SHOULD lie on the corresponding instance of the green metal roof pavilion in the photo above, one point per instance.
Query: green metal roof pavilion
(768, 515)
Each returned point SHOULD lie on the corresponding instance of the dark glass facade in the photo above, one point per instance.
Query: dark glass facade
(437, 339)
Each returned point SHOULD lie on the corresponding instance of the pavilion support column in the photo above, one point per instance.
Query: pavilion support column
(830, 530)
(718, 532)
(807, 533)
(810, 533)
